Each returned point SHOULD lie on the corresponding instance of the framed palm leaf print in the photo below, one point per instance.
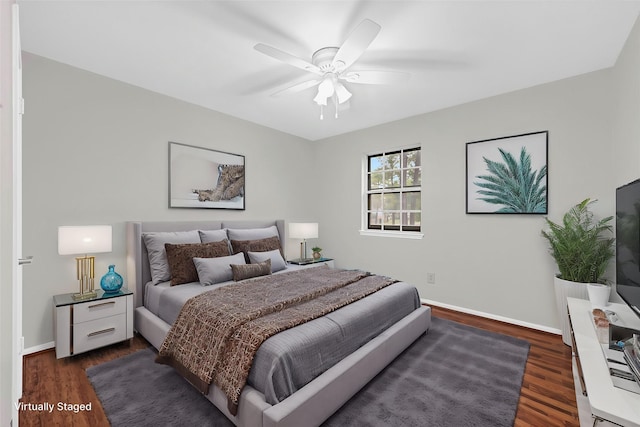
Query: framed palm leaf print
(508, 175)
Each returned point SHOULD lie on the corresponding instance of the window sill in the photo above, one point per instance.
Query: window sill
(396, 234)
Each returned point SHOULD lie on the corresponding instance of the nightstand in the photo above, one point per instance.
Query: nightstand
(81, 326)
(313, 262)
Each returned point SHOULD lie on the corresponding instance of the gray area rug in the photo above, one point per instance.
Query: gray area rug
(454, 376)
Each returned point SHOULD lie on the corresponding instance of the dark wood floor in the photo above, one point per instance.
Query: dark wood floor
(547, 397)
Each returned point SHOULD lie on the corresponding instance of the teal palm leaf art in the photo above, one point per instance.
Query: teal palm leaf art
(513, 185)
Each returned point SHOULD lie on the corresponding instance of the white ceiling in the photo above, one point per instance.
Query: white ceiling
(202, 51)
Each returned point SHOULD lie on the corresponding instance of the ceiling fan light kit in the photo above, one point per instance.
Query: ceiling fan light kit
(332, 63)
(331, 88)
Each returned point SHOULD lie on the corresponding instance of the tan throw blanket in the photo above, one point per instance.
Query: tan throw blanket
(217, 333)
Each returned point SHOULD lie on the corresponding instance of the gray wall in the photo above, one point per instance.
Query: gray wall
(493, 264)
(625, 136)
(96, 152)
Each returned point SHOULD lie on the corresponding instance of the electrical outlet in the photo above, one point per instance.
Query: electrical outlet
(431, 278)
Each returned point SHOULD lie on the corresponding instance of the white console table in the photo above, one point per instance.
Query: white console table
(607, 402)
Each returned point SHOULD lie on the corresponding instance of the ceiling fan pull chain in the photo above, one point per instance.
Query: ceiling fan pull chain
(321, 115)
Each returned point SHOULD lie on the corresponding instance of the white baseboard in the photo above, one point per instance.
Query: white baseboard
(40, 347)
(52, 344)
(494, 317)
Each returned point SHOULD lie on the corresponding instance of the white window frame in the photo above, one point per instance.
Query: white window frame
(364, 230)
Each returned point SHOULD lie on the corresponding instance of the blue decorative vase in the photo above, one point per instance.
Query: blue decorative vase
(111, 282)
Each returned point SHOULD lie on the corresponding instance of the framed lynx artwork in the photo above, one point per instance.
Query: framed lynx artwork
(204, 178)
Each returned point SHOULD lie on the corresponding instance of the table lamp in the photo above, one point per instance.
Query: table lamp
(303, 230)
(87, 239)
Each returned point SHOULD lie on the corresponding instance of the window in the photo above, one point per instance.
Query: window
(393, 196)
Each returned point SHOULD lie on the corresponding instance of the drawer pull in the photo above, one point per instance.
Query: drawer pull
(101, 304)
(104, 331)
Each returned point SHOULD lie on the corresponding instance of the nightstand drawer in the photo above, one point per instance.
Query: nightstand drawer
(97, 309)
(99, 332)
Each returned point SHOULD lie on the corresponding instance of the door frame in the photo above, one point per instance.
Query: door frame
(18, 110)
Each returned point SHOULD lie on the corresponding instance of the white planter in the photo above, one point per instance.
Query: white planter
(598, 295)
(564, 289)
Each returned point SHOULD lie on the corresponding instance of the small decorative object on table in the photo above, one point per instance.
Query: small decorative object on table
(111, 282)
(317, 252)
(598, 294)
(602, 325)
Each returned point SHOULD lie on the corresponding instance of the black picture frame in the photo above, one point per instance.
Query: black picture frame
(508, 175)
(204, 178)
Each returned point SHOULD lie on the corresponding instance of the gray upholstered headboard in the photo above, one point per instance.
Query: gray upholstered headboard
(138, 270)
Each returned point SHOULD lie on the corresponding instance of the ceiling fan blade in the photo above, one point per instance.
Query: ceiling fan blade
(297, 87)
(287, 58)
(375, 77)
(356, 44)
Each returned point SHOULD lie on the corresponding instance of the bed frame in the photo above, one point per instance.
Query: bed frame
(315, 402)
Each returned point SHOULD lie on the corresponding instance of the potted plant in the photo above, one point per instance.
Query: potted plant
(582, 248)
(316, 252)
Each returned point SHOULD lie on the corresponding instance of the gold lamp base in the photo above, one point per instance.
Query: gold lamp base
(84, 296)
(85, 273)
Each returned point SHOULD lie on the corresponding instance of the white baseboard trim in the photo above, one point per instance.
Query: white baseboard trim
(493, 317)
(52, 344)
(40, 347)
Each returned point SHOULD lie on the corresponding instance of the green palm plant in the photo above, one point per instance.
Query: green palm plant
(581, 246)
(513, 184)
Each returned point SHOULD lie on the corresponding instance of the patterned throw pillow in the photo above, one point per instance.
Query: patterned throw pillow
(260, 245)
(180, 258)
(155, 241)
(247, 271)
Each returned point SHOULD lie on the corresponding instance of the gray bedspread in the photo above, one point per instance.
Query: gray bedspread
(290, 359)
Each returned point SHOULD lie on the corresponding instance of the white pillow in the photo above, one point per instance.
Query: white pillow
(154, 241)
(277, 262)
(217, 270)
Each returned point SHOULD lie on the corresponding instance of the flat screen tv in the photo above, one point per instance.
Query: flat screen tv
(628, 244)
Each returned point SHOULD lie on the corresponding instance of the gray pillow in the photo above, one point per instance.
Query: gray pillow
(216, 270)
(277, 262)
(210, 236)
(252, 233)
(155, 241)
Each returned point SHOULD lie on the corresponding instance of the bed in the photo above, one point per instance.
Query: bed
(262, 403)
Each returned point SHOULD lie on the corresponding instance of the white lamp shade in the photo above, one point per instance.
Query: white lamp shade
(303, 230)
(325, 91)
(343, 93)
(86, 239)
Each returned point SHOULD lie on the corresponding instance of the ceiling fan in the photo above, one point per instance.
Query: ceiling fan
(331, 67)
